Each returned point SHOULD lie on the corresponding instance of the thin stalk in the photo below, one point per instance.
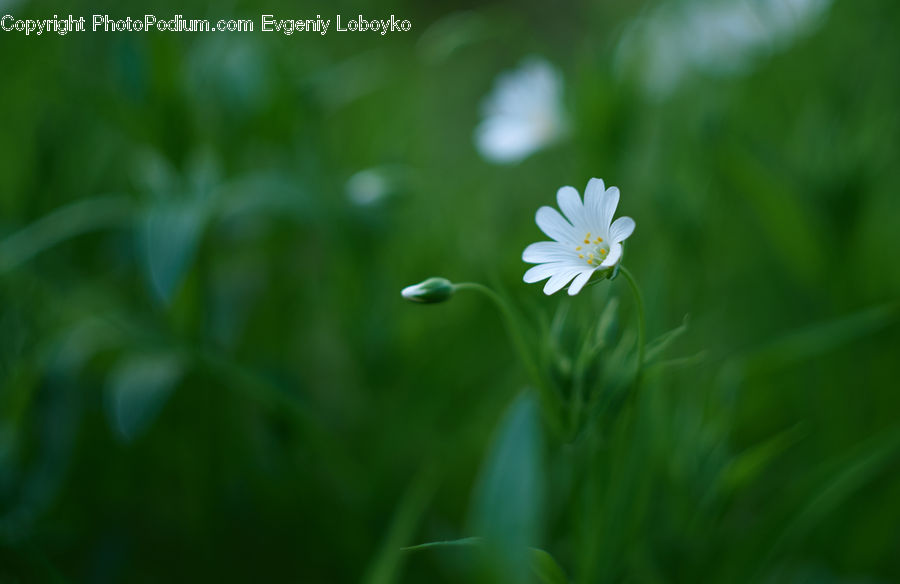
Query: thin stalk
(517, 336)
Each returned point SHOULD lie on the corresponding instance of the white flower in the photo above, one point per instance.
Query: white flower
(718, 37)
(523, 114)
(367, 187)
(589, 241)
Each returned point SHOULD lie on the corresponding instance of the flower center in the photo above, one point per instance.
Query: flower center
(593, 250)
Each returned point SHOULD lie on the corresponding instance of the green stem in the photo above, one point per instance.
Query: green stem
(639, 301)
(517, 336)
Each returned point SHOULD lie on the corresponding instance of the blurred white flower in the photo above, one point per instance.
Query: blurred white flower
(373, 186)
(589, 241)
(522, 114)
(367, 187)
(718, 37)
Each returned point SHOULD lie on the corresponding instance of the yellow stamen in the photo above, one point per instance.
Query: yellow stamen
(578, 248)
(581, 256)
(587, 240)
(590, 261)
(599, 240)
(602, 252)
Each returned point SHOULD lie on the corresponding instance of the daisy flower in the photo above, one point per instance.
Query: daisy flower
(523, 114)
(585, 241)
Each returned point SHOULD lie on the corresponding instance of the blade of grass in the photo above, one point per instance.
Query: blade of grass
(386, 566)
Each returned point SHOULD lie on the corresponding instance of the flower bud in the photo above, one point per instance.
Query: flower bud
(429, 291)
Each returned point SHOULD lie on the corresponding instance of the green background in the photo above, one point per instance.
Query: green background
(207, 372)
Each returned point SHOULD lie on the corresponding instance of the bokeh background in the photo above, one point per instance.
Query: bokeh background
(206, 369)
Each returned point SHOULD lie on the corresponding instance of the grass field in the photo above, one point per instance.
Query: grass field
(208, 373)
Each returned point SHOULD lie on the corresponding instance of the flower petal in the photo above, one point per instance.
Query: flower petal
(505, 139)
(608, 203)
(615, 254)
(594, 191)
(553, 224)
(558, 280)
(541, 271)
(621, 229)
(570, 204)
(547, 251)
(579, 282)
(593, 195)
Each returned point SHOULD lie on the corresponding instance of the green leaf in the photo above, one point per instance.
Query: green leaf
(507, 504)
(656, 347)
(607, 324)
(137, 389)
(543, 565)
(784, 220)
(387, 563)
(676, 363)
(850, 473)
(465, 541)
(747, 465)
(169, 234)
(546, 568)
(820, 338)
(451, 33)
(63, 223)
